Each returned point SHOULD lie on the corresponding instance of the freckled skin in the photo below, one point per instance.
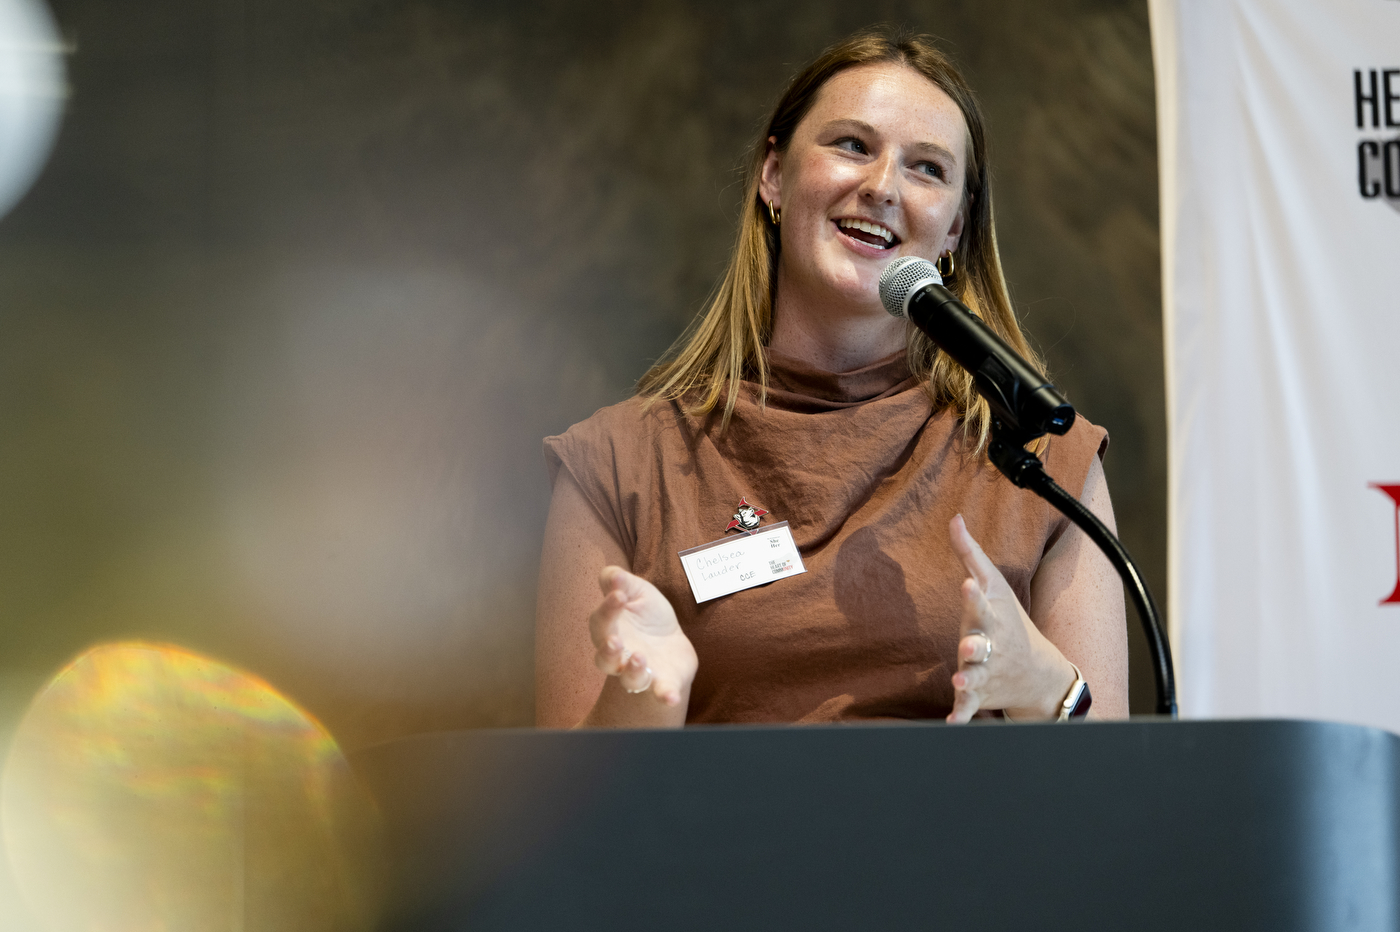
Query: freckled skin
(883, 144)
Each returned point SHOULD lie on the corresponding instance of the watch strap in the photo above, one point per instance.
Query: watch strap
(1077, 700)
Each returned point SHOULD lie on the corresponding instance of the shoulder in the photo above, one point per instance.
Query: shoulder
(617, 432)
(615, 457)
(1069, 458)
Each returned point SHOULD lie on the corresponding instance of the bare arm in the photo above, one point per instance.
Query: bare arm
(1077, 602)
(599, 634)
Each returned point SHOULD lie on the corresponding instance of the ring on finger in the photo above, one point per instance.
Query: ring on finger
(651, 677)
(988, 638)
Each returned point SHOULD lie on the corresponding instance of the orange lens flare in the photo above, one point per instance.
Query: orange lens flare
(151, 788)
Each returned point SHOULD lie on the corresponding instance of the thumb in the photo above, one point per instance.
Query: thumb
(970, 552)
(612, 577)
(628, 586)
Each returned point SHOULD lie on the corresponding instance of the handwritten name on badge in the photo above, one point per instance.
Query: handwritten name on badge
(733, 564)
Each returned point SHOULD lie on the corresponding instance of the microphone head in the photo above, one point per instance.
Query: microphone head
(902, 278)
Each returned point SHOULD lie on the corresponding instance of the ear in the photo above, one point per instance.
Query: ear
(950, 242)
(770, 179)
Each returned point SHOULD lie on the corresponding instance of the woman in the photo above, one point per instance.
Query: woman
(798, 394)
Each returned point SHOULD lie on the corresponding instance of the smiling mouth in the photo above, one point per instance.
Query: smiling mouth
(871, 234)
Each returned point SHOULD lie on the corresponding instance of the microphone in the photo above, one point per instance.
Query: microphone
(1020, 397)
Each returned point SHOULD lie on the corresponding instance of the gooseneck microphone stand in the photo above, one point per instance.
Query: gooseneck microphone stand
(1024, 406)
(1007, 451)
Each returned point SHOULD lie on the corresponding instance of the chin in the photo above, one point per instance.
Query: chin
(864, 301)
(846, 279)
(858, 284)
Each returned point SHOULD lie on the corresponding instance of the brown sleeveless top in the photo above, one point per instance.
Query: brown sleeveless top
(869, 475)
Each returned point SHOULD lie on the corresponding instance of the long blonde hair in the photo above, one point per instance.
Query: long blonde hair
(724, 345)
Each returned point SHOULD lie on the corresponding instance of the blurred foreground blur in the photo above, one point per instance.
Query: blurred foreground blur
(149, 788)
(31, 94)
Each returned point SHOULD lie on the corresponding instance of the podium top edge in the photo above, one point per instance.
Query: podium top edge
(710, 731)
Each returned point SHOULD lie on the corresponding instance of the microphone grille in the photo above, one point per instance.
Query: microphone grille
(901, 278)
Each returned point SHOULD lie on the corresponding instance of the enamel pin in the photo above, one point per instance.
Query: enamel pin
(756, 556)
(746, 518)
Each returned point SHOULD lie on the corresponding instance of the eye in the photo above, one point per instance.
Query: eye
(932, 169)
(852, 144)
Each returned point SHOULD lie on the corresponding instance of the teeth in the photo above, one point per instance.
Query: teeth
(868, 227)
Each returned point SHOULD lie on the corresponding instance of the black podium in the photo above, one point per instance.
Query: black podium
(1269, 825)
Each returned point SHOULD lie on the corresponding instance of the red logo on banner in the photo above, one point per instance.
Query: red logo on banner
(1394, 492)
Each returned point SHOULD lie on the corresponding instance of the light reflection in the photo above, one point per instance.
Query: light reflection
(151, 788)
(32, 91)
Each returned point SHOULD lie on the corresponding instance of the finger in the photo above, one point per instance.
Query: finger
(635, 674)
(977, 613)
(617, 579)
(975, 648)
(973, 679)
(970, 552)
(609, 649)
(602, 622)
(631, 585)
(667, 688)
(966, 703)
(968, 683)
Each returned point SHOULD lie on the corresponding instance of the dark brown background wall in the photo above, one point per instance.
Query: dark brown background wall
(306, 281)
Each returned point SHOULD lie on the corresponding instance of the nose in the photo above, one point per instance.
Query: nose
(881, 182)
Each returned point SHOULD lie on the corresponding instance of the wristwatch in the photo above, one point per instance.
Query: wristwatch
(1078, 700)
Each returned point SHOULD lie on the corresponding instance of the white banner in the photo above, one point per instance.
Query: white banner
(1279, 136)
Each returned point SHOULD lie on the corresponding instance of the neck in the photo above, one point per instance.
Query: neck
(832, 337)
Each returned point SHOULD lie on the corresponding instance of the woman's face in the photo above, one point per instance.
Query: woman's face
(873, 171)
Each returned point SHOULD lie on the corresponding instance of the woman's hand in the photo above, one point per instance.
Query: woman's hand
(637, 639)
(1004, 662)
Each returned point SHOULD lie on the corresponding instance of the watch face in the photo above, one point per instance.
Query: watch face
(1082, 703)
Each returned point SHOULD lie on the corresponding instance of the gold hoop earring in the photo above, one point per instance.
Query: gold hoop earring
(775, 214)
(946, 272)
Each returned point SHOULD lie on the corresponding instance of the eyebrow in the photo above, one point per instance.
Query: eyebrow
(932, 148)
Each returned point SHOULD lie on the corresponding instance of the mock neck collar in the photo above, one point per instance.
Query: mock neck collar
(799, 386)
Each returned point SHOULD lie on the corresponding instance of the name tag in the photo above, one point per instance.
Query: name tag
(733, 564)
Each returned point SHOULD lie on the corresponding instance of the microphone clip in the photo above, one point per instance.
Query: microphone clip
(1006, 448)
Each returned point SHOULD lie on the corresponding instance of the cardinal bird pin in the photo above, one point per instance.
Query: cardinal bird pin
(746, 518)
